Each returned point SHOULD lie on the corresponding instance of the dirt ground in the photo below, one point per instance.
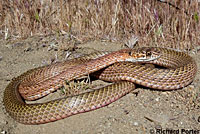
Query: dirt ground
(142, 111)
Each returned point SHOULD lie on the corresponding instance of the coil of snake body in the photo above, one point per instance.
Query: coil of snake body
(179, 71)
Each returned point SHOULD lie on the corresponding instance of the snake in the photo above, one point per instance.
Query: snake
(125, 68)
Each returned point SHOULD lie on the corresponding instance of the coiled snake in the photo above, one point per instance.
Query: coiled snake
(179, 71)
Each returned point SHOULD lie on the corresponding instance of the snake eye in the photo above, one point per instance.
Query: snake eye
(130, 53)
(148, 53)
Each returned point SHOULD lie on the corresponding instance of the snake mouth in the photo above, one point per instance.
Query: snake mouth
(143, 59)
(151, 58)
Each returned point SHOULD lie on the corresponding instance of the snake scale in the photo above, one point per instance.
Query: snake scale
(175, 70)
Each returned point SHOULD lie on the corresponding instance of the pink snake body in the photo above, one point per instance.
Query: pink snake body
(179, 71)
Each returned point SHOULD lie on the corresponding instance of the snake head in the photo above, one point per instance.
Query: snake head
(143, 54)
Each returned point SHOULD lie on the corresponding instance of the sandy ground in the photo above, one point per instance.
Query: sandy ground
(142, 111)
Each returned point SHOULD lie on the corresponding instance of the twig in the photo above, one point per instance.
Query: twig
(170, 4)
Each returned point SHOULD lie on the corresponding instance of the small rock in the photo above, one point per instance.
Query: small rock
(44, 45)
(49, 49)
(110, 105)
(3, 121)
(126, 111)
(3, 132)
(28, 49)
(158, 127)
(1, 57)
(135, 123)
(165, 93)
(191, 87)
(157, 99)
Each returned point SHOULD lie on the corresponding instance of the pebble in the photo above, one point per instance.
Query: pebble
(191, 87)
(1, 57)
(3, 121)
(28, 49)
(3, 132)
(135, 123)
(44, 45)
(158, 127)
(110, 105)
(157, 99)
(164, 93)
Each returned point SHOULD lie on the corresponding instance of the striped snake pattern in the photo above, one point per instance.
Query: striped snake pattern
(175, 70)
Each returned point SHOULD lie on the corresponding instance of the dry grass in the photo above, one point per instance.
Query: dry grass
(153, 22)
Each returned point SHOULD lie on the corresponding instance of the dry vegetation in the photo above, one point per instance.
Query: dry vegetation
(175, 24)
